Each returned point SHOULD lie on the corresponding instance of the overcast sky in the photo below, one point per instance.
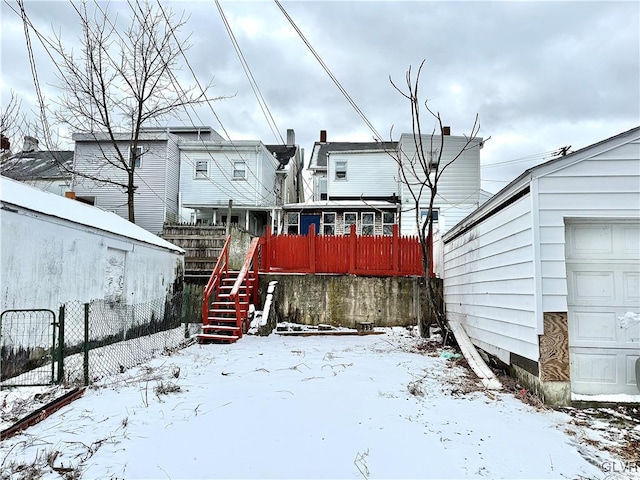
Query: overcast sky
(541, 75)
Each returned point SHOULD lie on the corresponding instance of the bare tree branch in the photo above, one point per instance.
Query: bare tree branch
(420, 172)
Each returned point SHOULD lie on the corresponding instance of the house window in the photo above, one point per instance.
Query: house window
(350, 218)
(135, 155)
(433, 159)
(202, 169)
(341, 170)
(424, 213)
(388, 221)
(239, 170)
(329, 222)
(322, 184)
(293, 223)
(368, 220)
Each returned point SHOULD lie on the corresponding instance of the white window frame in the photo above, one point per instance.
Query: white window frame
(138, 156)
(322, 188)
(340, 170)
(200, 173)
(346, 227)
(295, 215)
(236, 170)
(367, 225)
(387, 228)
(326, 224)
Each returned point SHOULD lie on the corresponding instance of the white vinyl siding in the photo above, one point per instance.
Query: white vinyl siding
(458, 188)
(370, 174)
(489, 281)
(220, 187)
(604, 186)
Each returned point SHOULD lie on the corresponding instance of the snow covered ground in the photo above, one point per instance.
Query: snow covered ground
(376, 406)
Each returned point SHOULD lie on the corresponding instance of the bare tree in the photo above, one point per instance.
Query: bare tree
(421, 173)
(118, 84)
(11, 125)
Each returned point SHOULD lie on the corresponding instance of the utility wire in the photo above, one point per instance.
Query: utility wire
(377, 137)
(252, 81)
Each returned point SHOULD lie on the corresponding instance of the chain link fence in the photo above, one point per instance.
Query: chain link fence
(95, 339)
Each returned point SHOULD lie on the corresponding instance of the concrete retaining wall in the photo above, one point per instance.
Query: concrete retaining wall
(344, 300)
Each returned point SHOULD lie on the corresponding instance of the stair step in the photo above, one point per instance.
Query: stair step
(221, 328)
(232, 304)
(210, 337)
(217, 318)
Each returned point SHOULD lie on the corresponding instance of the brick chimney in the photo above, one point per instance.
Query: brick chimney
(291, 137)
(323, 136)
(446, 130)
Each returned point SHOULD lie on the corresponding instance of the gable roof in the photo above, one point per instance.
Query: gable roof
(321, 150)
(30, 198)
(38, 165)
(516, 186)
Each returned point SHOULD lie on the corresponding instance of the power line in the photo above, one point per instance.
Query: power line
(252, 81)
(378, 137)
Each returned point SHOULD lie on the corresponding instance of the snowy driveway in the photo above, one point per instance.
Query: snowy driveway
(303, 407)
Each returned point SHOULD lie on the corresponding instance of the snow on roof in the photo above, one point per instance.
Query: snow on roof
(25, 196)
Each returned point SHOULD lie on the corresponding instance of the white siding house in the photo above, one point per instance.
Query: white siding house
(213, 173)
(546, 274)
(358, 174)
(56, 250)
(458, 188)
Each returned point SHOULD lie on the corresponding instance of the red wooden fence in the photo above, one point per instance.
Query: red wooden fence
(388, 256)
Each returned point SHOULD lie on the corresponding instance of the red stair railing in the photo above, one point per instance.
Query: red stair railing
(219, 272)
(248, 277)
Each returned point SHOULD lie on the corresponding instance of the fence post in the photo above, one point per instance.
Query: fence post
(86, 345)
(266, 253)
(185, 308)
(60, 352)
(312, 248)
(395, 250)
(353, 246)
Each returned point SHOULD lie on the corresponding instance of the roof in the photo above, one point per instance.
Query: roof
(149, 134)
(339, 204)
(38, 165)
(283, 153)
(30, 198)
(321, 150)
(515, 186)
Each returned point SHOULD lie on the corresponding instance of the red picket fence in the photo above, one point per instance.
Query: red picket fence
(388, 256)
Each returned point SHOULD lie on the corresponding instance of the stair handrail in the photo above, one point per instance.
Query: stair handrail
(250, 259)
(221, 268)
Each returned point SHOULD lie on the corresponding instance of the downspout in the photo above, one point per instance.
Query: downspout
(166, 172)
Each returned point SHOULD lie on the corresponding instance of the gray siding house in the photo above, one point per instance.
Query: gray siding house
(157, 172)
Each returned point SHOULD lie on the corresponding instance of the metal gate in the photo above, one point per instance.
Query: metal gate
(29, 348)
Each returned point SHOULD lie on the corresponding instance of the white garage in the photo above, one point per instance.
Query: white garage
(545, 276)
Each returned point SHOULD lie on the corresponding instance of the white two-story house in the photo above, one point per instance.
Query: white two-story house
(243, 182)
(353, 183)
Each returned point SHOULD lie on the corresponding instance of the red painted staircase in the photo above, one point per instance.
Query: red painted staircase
(227, 296)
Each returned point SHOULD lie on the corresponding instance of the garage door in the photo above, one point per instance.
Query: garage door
(603, 281)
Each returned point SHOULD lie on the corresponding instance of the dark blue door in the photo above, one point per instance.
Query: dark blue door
(306, 221)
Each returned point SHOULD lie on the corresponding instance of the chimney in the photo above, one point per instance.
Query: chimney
(71, 195)
(30, 144)
(291, 137)
(323, 136)
(446, 130)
